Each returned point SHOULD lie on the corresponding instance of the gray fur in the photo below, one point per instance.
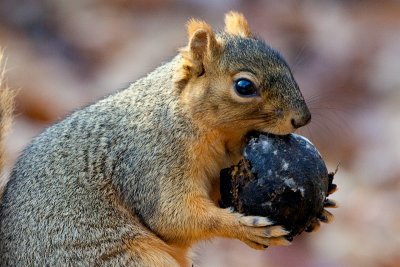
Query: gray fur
(60, 205)
(90, 185)
(254, 55)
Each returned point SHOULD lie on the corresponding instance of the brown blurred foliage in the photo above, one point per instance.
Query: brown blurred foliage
(63, 55)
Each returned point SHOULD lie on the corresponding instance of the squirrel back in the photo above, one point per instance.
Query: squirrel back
(133, 180)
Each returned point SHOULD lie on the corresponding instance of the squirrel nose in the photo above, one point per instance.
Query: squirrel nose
(299, 121)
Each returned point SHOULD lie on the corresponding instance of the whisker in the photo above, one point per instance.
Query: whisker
(321, 127)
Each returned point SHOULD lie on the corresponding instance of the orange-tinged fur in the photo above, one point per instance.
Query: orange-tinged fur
(135, 176)
(236, 24)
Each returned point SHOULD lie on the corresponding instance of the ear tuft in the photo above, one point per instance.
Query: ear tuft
(193, 25)
(236, 24)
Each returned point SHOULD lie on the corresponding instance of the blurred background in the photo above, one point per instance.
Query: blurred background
(345, 55)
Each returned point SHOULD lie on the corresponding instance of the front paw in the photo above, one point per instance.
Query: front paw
(260, 233)
(326, 216)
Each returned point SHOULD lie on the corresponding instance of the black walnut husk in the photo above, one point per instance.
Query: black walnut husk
(283, 178)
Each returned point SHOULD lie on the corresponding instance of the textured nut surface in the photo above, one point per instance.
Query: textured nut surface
(281, 177)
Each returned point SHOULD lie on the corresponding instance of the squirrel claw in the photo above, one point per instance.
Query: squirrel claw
(255, 221)
(314, 226)
(332, 188)
(326, 216)
(329, 203)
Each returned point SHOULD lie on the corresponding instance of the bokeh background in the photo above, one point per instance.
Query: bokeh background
(345, 55)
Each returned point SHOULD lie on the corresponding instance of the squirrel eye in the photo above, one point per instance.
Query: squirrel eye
(245, 88)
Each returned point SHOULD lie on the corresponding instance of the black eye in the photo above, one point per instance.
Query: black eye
(245, 88)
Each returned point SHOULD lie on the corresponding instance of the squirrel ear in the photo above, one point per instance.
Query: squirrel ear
(201, 50)
(198, 44)
(236, 24)
(202, 42)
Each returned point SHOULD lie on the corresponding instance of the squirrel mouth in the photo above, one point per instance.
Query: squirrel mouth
(256, 133)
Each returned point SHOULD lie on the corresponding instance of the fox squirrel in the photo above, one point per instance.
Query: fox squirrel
(133, 179)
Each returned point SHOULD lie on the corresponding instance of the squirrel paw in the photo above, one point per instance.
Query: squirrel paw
(259, 233)
(325, 216)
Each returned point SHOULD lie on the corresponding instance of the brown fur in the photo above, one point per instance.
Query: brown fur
(133, 180)
(236, 24)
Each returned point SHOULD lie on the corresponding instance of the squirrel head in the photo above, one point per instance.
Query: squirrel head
(235, 82)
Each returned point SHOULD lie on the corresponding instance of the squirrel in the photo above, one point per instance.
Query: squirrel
(133, 180)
